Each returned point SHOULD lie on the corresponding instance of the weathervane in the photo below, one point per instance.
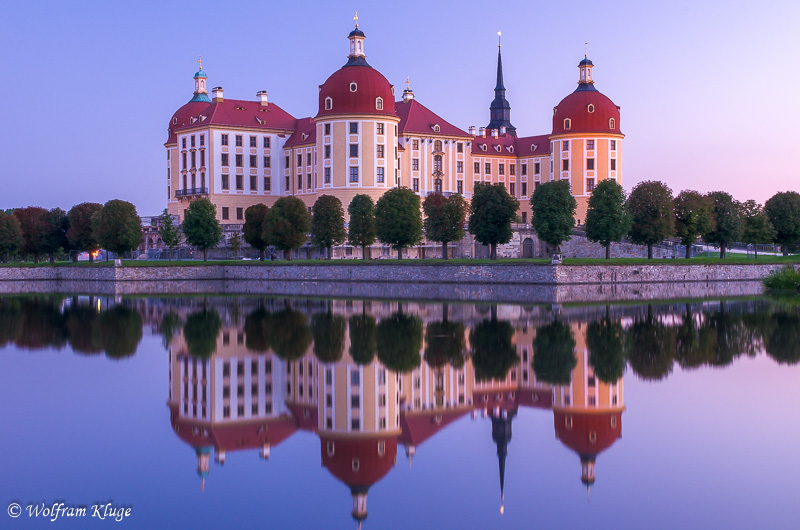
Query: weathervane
(200, 61)
(586, 50)
(356, 19)
(408, 82)
(498, 38)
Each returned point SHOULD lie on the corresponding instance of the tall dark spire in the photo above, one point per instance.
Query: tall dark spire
(501, 435)
(500, 109)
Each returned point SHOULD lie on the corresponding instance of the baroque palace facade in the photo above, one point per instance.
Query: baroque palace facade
(365, 140)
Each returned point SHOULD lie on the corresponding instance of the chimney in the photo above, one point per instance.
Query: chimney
(216, 94)
(502, 129)
(494, 133)
(261, 95)
(472, 130)
(483, 132)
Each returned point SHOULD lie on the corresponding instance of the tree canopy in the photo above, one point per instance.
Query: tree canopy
(493, 351)
(650, 347)
(727, 226)
(80, 233)
(399, 340)
(170, 233)
(10, 235)
(327, 223)
(756, 228)
(117, 227)
(650, 205)
(398, 220)
(363, 338)
(120, 330)
(328, 332)
(287, 224)
(201, 227)
(200, 332)
(293, 335)
(605, 342)
(444, 219)
(554, 353)
(553, 215)
(783, 210)
(258, 330)
(33, 223)
(445, 344)
(491, 211)
(607, 219)
(361, 229)
(693, 217)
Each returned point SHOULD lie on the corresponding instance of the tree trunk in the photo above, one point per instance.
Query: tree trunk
(785, 250)
(688, 251)
(493, 252)
(289, 255)
(608, 251)
(52, 257)
(363, 252)
(755, 250)
(91, 257)
(205, 254)
(649, 251)
(74, 257)
(262, 255)
(399, 253)
(444, 249)
(330, 252)
(722, 251)
(36, 258)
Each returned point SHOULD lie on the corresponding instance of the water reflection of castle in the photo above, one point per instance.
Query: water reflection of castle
(246, 396)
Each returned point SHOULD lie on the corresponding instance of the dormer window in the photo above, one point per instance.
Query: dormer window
(175, 120)
(353, 87)
(590, 108)
(303, 136)
(534, 147)
(567, 123)
(510, 148)
(483, 147)
(612, 123)
(328, 103)
(436, 128)
(379, 103)
(497, 148)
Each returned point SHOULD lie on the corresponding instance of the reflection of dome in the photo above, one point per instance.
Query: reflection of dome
(588, 433)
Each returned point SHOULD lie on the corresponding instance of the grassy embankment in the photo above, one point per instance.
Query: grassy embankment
(786, 280)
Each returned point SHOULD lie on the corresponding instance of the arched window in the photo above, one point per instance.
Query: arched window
(612, 123)
(328, 103)
(355, 464)
(353, 87)
(567, 123)
(437, 163)
(202, 84)
(437, 145)
(379, 103)
(590, 108)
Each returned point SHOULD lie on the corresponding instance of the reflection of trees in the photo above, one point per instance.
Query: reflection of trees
(783, 343)
(170, 325)
(10, 320)
(328, 332)
(292, 335)
(363, 338)
(399, 341)
(200, 332)
(258, 330)
(604, 340)
(43, 325)
(83, 326)
(120, 331)
(694, 343)
(444, 344)
(650, 347)
(554, 354)
(731, 336)
(493, 352)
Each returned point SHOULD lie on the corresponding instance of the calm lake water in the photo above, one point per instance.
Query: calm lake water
(211, 412)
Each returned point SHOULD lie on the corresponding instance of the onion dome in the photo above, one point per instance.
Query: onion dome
(586, 110)
(200, 73)
(356, 88)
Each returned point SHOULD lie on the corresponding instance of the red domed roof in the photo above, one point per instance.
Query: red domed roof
(182, 117)
(576, 108)
(372, 466)
(588, 433)
(370, 85)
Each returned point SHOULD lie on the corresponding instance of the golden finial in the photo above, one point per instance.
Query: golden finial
(356, 19)
(585, 50)
(200, 61)
(408, 82)
(498, 38)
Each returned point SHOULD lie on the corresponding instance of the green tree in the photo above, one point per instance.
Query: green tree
(783, 344)
(286, 225)
(10, 235)
(363, 338)
(553, 215)
(327, 223)
(200, 226)
(117, 227)
(253, 228)
(200, 332)
(605, 341)
(491, 211)
(83, 327)
(235, 242)
(328, 332)
(80, 234)
(694, 342)
(258, 330)
(607, 219)
(33, 223)
(170, 232)
(361, 229)
(650, 205)
(398, 220)
(56, 234)
(170, 325)
(493, 351)
(120, 331)
(727, 226)
(783, 210)
(293, 336)
(43, 325)
(554, 353)
(399, 340)
(445, 344)
(693, 218)
(756, 228)
(444, 219)
(650, 347)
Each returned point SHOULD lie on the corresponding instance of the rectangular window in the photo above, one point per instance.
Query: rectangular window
(308, 159)
(226, 411)
(240, 213)
(354, 378)
(253, 161)
(353, 150)
(459, 186)
(353, 127)
(488, 168)
(536, 168)
(202, 140)
(589, 184)
(253, 141)
(327, 175)
(183, 155)
(565, 145)
(415, 164)
(613, 164)
(589, 145)
(511, 189)
(308, 181)
(355, 425)
(459, 147)
(380, 151)
(267, 161)
(327, 151)
(239, 160)
(253, 183)
(613, 145)
(415, 184)
(525, 220)
(353, 174)
(225, 215)
(194, 160)
(590, 163)
(477, 168)
(524, 186)
(238, 140)
(239, 182)
(512, 169)
(459, 167)
(224, 139)
(287, 184)
(524, 169)
(192, 142)
(380, 175)
(327, 128)
(202, 157)
(354, 402)
(286, 161)
(502, 169)
(415, 144)
(266, 142)
(225, 182)
(299, 160)
(299, 182)
(379, 127)
(267, 184)
(225, 159)
(565, 165)
(183, 143)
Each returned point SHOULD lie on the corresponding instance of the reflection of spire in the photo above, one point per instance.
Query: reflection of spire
(501, 434)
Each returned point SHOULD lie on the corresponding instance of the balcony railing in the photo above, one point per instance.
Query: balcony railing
(191, 191)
